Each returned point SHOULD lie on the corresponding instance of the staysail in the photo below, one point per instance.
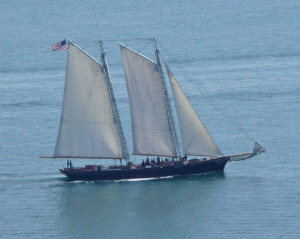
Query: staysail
(151, 129)
(194, 136)
(88, 126)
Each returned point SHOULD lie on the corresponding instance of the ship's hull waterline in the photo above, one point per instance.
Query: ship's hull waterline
(212, 165)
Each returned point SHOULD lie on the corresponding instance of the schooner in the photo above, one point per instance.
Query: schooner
(90, 125)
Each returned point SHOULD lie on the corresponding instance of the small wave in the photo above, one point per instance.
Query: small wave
(77, 181)
(23, 104)
(142, 179)
(31, 70)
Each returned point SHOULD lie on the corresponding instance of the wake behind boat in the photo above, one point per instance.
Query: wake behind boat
(90, 125)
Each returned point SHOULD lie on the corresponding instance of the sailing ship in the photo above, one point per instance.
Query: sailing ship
(90, 126)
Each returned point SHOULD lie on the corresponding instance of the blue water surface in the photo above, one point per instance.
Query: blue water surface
(241, 56)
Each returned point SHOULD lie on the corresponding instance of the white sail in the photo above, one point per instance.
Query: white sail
(194, 136)
(88, 127)
(151, 128)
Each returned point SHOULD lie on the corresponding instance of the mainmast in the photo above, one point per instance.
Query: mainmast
(113, 100)
(167, 99)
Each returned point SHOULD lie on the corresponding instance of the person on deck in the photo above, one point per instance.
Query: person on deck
(68, 163)
(71, 165)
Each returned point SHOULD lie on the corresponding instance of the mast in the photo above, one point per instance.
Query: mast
(88, 127)
(113, 100)
(167, 99)
(111, 94)
(151, 129)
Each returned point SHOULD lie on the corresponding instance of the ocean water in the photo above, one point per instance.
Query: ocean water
(241, 56)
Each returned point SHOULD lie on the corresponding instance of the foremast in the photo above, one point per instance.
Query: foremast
(113, 101)
(167, 100)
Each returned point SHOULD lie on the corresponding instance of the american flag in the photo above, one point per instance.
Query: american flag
(60, 46)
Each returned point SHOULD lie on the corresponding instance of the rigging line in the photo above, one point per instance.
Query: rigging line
(234, 123)
(128, 39)
(62, 164)
(97, 24)
(88, 47)
(144, 47)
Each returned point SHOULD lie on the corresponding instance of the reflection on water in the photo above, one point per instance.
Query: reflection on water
(150, 208)
(184, 207)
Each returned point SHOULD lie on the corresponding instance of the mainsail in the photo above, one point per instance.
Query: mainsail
(88, 126)
(194, 136)
(151, 129)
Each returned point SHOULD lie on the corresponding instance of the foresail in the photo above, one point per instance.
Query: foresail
(194, 136)
(151, 128)
(87, 127)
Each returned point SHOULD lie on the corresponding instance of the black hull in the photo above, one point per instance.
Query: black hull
(212, 165)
